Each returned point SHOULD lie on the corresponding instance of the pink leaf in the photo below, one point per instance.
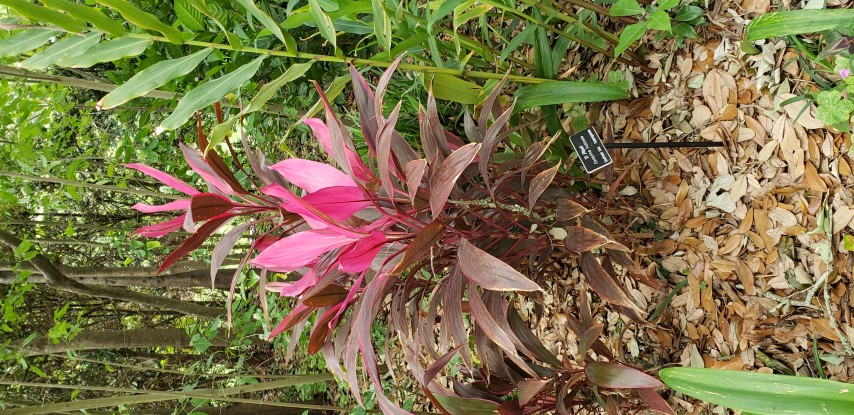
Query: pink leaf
(338, 202)
(203, 169)
(298, 314)
(359, 257)
(165, 178)
(161, 228)
(312, 175)
(618, 376)
(300, 249)
(176, 205)
(321, 132)
(445, 177)
(316, 218)
(293, 289)
(490, 272)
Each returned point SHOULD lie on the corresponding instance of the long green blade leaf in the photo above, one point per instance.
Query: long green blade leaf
(262, 17)
(233, 40)
(143, 19)
(67, 47)
(796, 22)
(451, 88)
(25, 41)
(258, 101)
(106, 52)
(87, 14)
(36, 13)
(208, 93)
(324, 23)
(189, 16)
(761, 393)
(153, 77)
(382, 25)
(559, 92)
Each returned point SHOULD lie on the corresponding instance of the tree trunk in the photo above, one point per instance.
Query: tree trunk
(115, 339)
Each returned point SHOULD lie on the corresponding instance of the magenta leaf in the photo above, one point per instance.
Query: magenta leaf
(490, 272)
(618, 376)
(164, 178)
(443, 179)
(359, 257)
(204, 169)
(312, 175)
(338, 202)
(161, 228)
(176, 205)
(300, 249)
(293, 289)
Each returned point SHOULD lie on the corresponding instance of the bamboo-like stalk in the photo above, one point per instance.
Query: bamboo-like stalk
(139, 192)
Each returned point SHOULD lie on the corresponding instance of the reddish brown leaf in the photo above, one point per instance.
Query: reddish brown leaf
(529, 339)
(530, 388)
(420, 245)
(321, 331)
(510, 407)
(488, 324)
(567, 209)
(589, 336)
(540, 183)
(443, 179)
(204, 206)
(194, 241)
(385, 164)
(491, 138)
(490, 105)
(602, 283)
(580, 239)
(330, 295)
(655, 401)
(618, 376)
(414, 172)
(440, 364)
(490, 272)
(215, 161)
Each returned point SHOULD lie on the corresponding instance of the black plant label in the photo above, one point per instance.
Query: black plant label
(590, 149)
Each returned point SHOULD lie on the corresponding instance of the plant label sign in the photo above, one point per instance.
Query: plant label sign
(590, 149)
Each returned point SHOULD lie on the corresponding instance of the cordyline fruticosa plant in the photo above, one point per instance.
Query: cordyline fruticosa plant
(432, 244)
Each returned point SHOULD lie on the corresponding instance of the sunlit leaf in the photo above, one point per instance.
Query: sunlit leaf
(36, 13)
(152, 77)
(560, 92)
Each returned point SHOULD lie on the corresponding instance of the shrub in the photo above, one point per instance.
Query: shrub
(430, 243)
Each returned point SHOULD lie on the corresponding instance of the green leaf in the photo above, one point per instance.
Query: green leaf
(324, 23)
(833, 108)
(630, 34)
(559, 92)
(382, 24)
(87, 14)
(109, 51)
(516, 42)
(143, 19)
(199, 5)
(67, 47)
(688, 13)
(667, 4)
(258, 101)
(796, 22)
(152, 77)
(208, 93)
(659, 21)
(189, 16)
(686, 30)
(25, 41)
(451, 88)
(332, 91)
(626, 8)
(35, 13)
(762, 393)
(264, 18)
